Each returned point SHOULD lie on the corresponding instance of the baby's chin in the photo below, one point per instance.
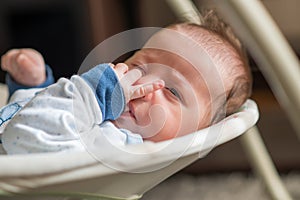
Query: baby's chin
(125, 121)
(148, 132)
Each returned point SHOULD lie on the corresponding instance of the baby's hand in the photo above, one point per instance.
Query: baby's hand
(26, 66)
(128, 78)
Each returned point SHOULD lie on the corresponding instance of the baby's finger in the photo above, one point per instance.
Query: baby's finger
(11, 59)
(120, 69)
(111, 65)
(12, 52)
(143, 90)
(6, 60)
(132, 76)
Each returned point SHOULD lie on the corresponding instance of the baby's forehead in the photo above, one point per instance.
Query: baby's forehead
(205, 50)
(202, 52)
(171, 62)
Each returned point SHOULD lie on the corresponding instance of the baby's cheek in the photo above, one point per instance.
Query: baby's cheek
(171, 128)
(154, 122)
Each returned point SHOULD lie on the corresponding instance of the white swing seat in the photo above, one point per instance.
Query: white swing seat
(120, 174)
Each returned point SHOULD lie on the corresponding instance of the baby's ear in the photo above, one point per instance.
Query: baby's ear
(239, 93)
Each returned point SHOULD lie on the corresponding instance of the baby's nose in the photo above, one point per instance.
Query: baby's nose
(154, 96)
(148, 96)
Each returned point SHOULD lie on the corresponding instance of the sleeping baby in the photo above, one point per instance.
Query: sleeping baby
(185, 78)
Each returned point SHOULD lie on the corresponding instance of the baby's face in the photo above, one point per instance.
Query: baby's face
(180, 108)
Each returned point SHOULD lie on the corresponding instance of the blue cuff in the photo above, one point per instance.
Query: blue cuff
(13, 85)
(108, 91)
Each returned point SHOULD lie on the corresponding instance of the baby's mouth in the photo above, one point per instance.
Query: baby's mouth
(132, 115)
(131, 110)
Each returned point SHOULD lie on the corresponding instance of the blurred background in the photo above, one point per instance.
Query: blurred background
(66, 31)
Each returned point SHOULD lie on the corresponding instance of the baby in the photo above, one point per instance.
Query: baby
(185, 78)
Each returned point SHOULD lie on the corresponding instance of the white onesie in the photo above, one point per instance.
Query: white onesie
(58, 117)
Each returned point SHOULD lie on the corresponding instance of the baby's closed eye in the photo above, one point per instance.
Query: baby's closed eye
(174, 92)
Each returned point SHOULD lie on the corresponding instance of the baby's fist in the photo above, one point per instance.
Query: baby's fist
(26, 66)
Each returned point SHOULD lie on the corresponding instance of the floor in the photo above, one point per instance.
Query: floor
(227, 186)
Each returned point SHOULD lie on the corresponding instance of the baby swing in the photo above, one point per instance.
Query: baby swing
(120, 175)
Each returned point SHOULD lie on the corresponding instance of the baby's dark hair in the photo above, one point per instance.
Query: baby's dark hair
(242, 87)
(215, 32)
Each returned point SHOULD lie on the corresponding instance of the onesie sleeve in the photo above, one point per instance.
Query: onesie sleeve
(54, 119)
(107, 89)
(59, 116)
(13, 85)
